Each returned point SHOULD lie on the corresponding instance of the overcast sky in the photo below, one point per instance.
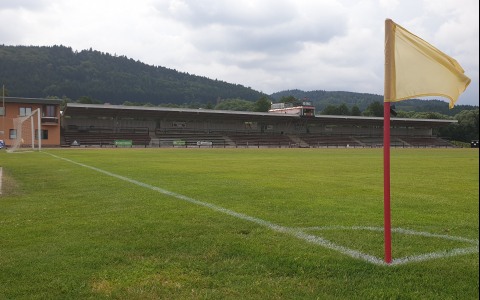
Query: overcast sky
(269, 45)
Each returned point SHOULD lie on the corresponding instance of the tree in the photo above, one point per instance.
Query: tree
(236, 104)
(343, 110)
(431, 115)
(404, 114)
(288, 99)
(468, 125)
(66, 100)
(40, 71)
(330, 110)
(374, 110)
(209, 105)
(169, 105)
(7, 93)
(262, 104)
(466, 130)
(356, 111)
(64, 103)
(88, 100)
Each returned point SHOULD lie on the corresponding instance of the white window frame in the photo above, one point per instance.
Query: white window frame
(47, 111)
(26, 111)
(12, 134)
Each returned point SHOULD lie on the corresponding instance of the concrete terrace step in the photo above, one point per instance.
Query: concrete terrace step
(229, 141)
(297, 140)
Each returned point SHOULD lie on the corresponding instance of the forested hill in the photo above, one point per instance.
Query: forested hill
(39, 72)
(58, 71)
(322, 99)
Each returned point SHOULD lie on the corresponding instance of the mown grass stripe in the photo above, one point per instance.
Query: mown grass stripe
(300, 232)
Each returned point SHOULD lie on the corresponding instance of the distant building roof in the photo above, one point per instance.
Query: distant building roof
(225, 116)
(282, 105)
(32, 100)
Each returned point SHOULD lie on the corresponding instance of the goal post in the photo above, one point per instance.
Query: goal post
(27, 132)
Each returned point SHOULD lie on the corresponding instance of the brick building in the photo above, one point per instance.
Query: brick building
(19, 107)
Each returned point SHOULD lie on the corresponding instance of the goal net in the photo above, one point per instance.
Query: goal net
(25, 133)
(155, 143)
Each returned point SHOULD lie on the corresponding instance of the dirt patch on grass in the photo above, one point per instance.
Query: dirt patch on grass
(102, 286)
(9, 186)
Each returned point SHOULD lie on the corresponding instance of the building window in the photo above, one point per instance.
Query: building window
(44, 134)
(2, 111)
(50, 111)
(13, 134)
(25, 111)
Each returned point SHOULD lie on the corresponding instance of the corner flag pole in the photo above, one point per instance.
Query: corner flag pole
(389, 91)
(386, 183)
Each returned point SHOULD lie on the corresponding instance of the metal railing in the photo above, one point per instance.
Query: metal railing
(49, 120)
(92, 128)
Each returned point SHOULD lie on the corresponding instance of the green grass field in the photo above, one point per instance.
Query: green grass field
(68, 231)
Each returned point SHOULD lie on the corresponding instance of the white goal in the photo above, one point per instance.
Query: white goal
(26, 132)
(154, 143)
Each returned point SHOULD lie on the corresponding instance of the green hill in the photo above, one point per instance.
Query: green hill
(58, 70)
(30, 71)
(322, 99)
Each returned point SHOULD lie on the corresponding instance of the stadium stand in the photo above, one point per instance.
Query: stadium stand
(262, 140)
(167, 139)
(180, 127)
(141, 137)
(330, 141)
(375, 142)
(431, 142)
(105, 137)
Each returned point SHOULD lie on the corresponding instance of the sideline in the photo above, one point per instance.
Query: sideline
(301, 234)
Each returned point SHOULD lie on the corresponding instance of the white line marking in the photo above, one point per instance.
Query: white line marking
(416, 258)
(300, 232)
(434, 255)
(399, 230)
(19, 151)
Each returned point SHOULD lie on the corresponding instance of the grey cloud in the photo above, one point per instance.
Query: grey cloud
(470, 96)
(207, 12)
(26, 4)
(6, 36)
(273, 26)
(277, 39)
(271, 63)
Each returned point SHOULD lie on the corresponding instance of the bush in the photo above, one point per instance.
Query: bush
(461, 144)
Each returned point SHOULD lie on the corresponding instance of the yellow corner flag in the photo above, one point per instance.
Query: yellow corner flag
(414, 68)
